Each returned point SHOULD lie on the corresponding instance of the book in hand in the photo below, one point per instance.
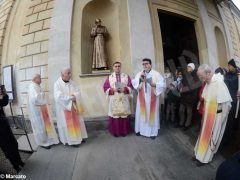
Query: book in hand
(119, 85)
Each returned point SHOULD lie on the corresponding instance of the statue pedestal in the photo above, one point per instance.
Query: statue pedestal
(101, 71)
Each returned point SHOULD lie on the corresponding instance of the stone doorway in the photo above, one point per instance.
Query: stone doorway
(178, 39)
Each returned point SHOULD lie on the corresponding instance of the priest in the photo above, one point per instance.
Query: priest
(217, 104)
(42, 125)
(149, 84)
(118, 88)
(71, 127)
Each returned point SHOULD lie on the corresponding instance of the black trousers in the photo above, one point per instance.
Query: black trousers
(231, 126)
(8, 143)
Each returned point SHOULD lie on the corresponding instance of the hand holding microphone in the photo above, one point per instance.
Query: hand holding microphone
(143, 76)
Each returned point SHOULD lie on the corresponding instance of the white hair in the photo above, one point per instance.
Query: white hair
(65, 69)
(205, 68)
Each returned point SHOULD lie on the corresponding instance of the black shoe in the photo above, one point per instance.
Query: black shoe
(153, 137)
(75, 145)
(185, 128)
(84, 141)
(199, 164)
(177, 126)
(138, 134)
(17, 168)
(21, 164)
(46, 147)
(194, 158)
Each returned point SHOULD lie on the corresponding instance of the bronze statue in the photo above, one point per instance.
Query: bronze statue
(99, 59)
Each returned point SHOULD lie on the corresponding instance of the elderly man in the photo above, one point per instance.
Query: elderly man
(42, 125)
(118, 87)
(70, 122)
(217, 103)
(149, 84)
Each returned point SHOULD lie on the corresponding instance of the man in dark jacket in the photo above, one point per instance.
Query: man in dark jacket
(8, 143)
(231, 80)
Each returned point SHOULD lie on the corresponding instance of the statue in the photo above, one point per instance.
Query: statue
(99, 58)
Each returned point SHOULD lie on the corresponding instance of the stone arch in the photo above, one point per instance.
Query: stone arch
(221, 47)
(107, 10)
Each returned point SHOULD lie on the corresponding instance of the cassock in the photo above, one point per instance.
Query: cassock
(70, 122)
(119, 103)
(217, 103)
(147, 120)
(42, 124)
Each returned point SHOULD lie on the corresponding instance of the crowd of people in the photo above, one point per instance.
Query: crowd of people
(211, 94)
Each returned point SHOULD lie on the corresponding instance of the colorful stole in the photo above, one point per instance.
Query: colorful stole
(143, 104)
(73, 124)
(206, 133)
(46, 119)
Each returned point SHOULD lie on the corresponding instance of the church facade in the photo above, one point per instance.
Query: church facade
(45, 36)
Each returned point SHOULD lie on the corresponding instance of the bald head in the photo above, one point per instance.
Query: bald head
(66, 74)
(37, 79)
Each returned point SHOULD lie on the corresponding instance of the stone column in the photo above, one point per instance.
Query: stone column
(141, 33)
(59, 41)
(209, 34)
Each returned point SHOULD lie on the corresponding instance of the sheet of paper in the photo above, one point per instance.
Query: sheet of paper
(119, 85)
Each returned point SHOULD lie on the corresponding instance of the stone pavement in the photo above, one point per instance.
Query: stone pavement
(104, 157)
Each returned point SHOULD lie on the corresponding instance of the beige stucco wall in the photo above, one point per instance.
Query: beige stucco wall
(233, 22)
(26, 45)
(5, 10)
(12, 45)
(24, 39)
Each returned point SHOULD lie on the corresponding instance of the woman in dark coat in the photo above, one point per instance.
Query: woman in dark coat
(8, 143)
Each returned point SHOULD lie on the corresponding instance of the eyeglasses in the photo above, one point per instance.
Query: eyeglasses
(117, 66)
(145, 64)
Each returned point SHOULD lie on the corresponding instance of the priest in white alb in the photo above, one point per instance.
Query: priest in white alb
(149, 84)
(71, 127)
(42, 124)
(217, 104)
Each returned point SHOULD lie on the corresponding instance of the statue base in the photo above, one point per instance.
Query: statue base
(102, 71)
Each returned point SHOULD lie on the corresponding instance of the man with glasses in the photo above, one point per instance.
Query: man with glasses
(118, 88)
(149, 84)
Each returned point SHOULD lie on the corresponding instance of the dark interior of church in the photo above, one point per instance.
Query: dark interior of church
(178, 34)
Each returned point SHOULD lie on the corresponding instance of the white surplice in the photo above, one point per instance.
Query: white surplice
(63, 100)
(143, 126)
(36, 99)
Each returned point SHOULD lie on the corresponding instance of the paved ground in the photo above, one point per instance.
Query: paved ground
(104, 157)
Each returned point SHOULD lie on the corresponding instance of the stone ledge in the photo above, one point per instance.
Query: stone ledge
(93, 75)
